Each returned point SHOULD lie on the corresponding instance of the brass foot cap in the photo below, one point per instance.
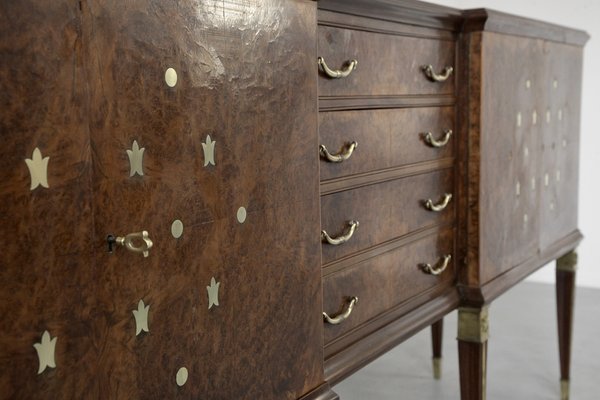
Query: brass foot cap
(564, 389)
(437, 368)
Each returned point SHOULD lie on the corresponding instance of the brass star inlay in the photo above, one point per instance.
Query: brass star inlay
(209, 151)
(136, 158)
(141, 318)
(213, 293)
(38, 169)
(45, 351)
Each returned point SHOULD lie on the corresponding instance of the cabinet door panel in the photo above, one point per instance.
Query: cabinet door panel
(47, 271)
(246, 77)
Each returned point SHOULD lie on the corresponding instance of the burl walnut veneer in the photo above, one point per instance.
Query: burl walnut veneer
(317, 181)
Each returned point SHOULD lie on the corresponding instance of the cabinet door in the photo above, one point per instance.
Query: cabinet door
(203, 130)
(47, 270)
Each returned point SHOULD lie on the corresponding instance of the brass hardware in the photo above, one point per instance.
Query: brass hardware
(344, 153)
(429, 139)
(177, 229)
(213, 293)
(437, 368)
(441, 77)
(141, 318)
(209, 151)
(343, 315)
(564, 389)
(440, 206)
(38, 169)
(136, 159)
(473, 324)
(241, 215)
(171, 77)
(567, 262)
(45, 352)
(128, 242)
(349, 66)
(437, 270)
(182, 376)
(343, 238)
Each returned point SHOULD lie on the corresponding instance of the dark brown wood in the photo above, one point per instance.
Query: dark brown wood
(565, 302)
(409, 12)
(384, 282)
(472, 359)
(437, 336)
(494, 21)
(82, 81)
(385, 211)
(386, 138)
(383, 68)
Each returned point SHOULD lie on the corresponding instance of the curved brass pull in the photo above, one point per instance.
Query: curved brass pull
(430, 140)
(341, 239)
(145, 243)
(432, 76)
(438, 268)
(441, 205)
(343, 315)
(342, 155)
(349, 66)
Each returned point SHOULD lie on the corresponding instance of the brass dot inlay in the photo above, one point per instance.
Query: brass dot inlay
(177, 229)
(534, 117)
(241, 215)
(527, 83)
(182, 376)
(171, 77)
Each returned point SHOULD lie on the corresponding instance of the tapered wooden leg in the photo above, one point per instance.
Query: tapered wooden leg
(565, 299)
(437, 330)
(473, 330)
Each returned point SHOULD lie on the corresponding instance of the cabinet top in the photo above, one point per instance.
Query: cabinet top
(421, 13)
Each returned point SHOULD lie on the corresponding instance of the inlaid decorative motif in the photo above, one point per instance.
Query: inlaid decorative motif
(241, 215)
(38, 169)
(182, 376)
(209, 151)
(213, 293)
(141, 318)
(45, 351)
(171, 77)
(136, 158)
(177, 229)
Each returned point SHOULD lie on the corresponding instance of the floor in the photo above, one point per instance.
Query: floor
(522, 358)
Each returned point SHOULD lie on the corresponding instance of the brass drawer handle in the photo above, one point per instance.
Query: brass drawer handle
(349, 66)
(441, 205)
(341, 239)
(142, 238)
(342, 155)
(438, 268)
(441, 77)
(430, 140)
(343, 315)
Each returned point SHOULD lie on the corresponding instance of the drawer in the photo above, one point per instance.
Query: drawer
(385, 281)
(387, 64)
(385, 211)
(385, 138)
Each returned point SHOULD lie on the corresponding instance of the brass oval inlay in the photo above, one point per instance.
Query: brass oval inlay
(241, 215)
(182, 376)
(177, 229)
(171, 77)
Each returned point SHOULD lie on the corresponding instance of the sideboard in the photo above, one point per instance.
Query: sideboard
(254, 199)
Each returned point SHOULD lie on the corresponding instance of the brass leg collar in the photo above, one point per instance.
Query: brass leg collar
(437, 368)
(564, 389)
(568, 262)
(473, 324)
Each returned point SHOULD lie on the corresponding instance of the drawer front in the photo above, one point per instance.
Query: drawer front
(384, 211)
(385, 138)
(385, 281)
(387, 64)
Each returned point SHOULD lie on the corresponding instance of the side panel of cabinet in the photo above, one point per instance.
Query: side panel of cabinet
(529, 148)
(47, 271)
(243, 73)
